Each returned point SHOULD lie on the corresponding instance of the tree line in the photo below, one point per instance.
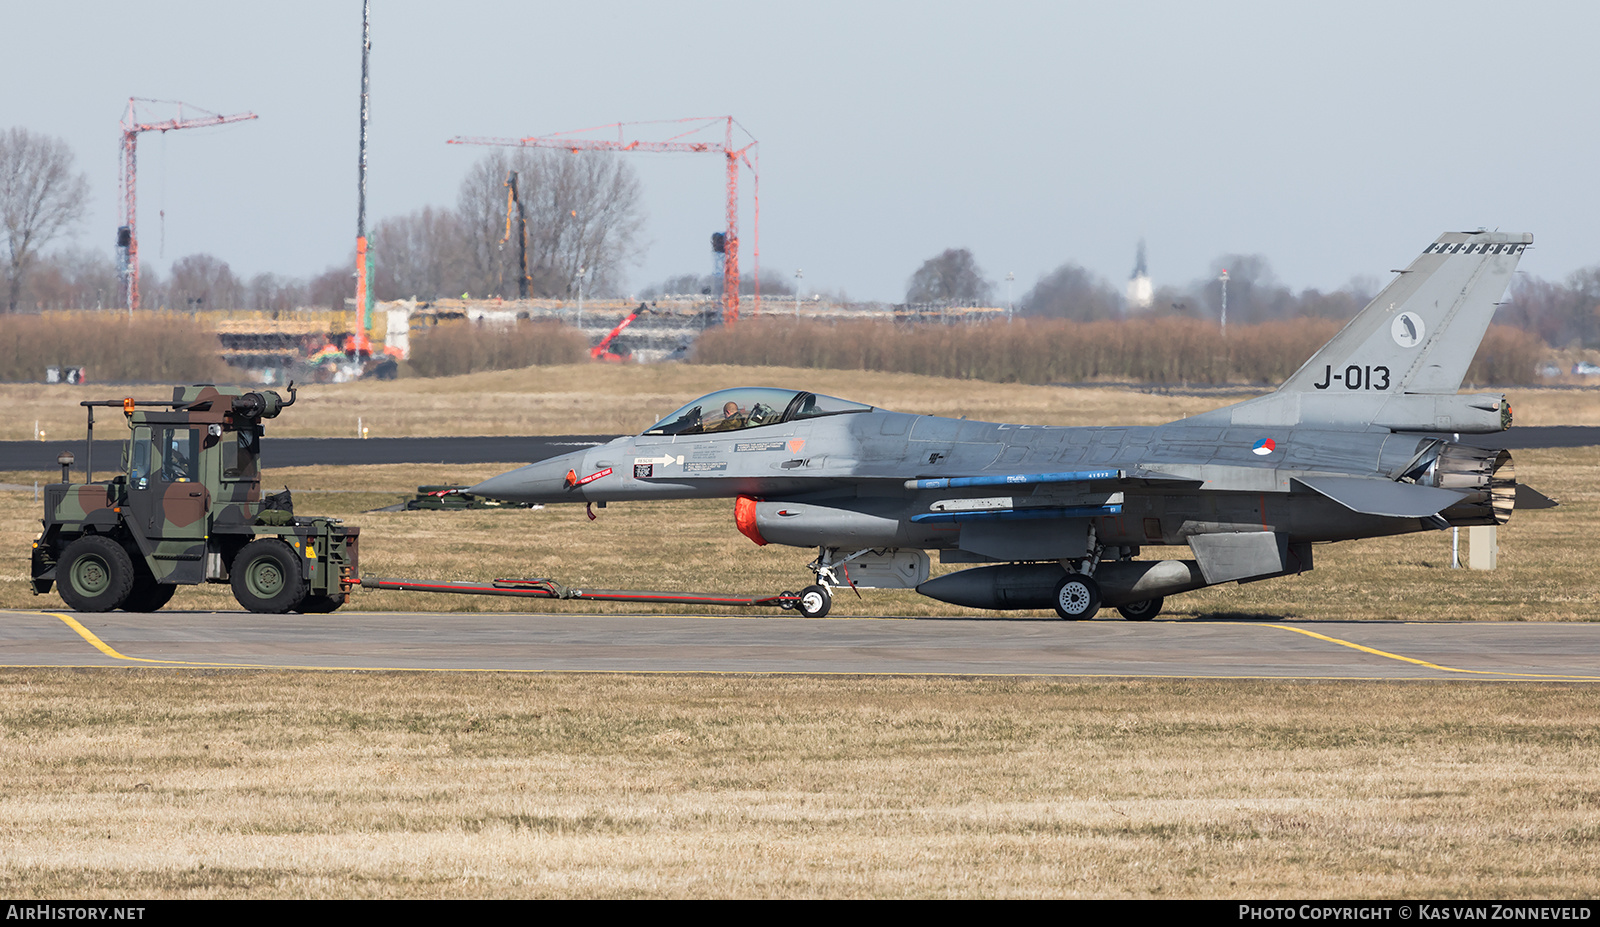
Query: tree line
(582, 210)
(584, 219)
(1563, 314)
(1141, 350)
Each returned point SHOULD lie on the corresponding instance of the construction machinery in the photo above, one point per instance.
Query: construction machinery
(609, 348)
(687, 136)
(186, 509)
(132, 125)
(514, 208)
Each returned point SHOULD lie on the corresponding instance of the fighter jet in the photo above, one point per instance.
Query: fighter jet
(1346, 448)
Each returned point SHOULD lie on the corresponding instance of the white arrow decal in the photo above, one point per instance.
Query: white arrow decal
(663, 461)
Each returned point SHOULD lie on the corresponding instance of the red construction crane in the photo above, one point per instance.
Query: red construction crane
(683, 141)
(128, 235)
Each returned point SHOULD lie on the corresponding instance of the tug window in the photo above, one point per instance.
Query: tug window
(239, 456)
(166, 454)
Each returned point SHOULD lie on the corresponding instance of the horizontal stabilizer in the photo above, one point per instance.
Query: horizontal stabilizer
(1382, 497)
(1530, 498)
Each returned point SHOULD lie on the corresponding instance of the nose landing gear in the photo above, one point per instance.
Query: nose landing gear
(814, 601)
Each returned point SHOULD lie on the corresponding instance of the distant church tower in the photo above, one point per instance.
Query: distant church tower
(1140, 291)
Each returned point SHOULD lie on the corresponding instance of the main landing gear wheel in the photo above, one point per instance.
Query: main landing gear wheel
(1141, 611)
(1077, 597)
(815, 601)
(95, 574)
(267, 577)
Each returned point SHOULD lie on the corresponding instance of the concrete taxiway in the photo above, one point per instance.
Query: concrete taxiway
(1237, 649)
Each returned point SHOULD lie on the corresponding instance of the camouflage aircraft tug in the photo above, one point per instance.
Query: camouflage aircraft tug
(1348, 447)
(187, 509)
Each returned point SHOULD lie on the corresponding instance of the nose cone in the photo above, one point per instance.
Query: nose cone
(545, 481)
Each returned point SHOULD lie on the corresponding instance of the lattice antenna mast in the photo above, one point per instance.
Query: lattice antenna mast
(132, 125)
(683, 142)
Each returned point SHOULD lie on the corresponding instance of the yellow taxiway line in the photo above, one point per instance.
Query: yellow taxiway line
(1404, 659)
(109, 651)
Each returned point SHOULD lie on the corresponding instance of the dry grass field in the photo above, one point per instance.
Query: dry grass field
(617, 398)
(605, 399)
(151, 783)
(157, 783)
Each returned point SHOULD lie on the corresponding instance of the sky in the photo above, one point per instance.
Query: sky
(1337, 140)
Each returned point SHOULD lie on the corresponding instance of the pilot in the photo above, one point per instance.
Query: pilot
(731, 419)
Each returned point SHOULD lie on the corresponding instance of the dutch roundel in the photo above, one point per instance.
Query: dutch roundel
(1263, 447)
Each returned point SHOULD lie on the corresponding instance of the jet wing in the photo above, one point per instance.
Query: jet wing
(1382, 497)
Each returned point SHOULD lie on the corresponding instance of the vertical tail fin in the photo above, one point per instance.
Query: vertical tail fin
(1400, 361)
(1425, 327)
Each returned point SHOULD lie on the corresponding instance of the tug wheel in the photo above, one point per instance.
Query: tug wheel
(147, 595)
(267, 577)
(95, 574)
(321, 604)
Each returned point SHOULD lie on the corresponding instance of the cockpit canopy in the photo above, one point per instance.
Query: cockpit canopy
(749, 407)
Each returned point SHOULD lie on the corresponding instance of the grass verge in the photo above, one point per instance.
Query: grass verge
(626, 398)
(270, 784)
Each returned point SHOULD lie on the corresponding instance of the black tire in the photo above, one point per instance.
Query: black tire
(1077, 597)
(814, 602)
(786, 606)
(267, 577)
(147, 595)
(321, 604)
(1141, 611)
(95, 574)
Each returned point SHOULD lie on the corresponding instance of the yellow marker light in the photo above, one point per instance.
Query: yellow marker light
(127, 405)
(311, 553)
